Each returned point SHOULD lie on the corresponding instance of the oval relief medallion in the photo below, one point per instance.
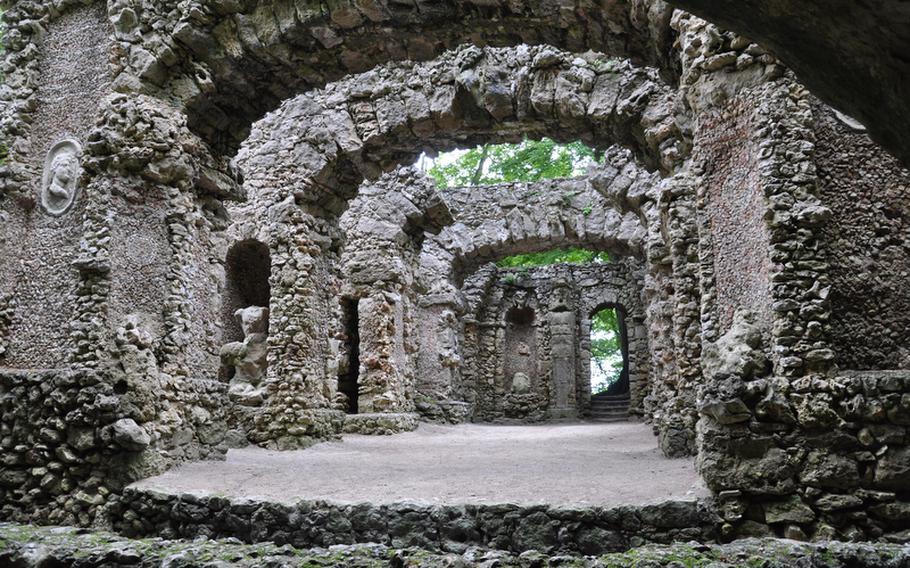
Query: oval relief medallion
(61, 176)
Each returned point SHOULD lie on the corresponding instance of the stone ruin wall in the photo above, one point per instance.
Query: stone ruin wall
(385, 228)
(496, 221)
(70, 84)
(787, 444)
(867, 192)
(491, 359)
(86, 405)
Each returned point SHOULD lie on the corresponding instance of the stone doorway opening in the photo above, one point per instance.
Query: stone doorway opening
(349, 373)
(609, 349)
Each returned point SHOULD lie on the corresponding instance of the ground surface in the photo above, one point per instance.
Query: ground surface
(577, 464)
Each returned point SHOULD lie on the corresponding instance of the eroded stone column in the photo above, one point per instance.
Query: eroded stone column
(563, 352)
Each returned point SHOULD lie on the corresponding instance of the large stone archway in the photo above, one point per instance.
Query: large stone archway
(230, 63)
(356, 128)
(299, 179)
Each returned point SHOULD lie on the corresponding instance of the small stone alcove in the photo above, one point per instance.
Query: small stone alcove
(520, 353)
(247, 269)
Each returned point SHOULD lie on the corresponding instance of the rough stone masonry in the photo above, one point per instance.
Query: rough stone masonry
(169, 167)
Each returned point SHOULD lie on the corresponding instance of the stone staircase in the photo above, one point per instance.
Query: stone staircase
(609, 408)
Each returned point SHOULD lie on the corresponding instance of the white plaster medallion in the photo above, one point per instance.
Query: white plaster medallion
(60, 182)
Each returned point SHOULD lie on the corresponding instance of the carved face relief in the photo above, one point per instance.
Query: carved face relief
(61, 174)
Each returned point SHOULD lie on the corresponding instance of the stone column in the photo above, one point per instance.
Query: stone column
(385, 385)
(563, 351)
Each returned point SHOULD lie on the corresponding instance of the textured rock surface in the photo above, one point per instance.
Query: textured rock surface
(867, 79)
(30, 548)
(734, 192)
(446, 528)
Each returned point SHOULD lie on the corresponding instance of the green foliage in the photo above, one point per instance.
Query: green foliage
(531, 160)
(606, 349)
(558, 256)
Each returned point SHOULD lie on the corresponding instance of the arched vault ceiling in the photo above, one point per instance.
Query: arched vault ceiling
(318, 147)
(232, 61)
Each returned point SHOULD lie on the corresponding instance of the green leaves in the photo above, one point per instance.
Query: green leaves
(606, 350)
(559, 256)
(531, 160)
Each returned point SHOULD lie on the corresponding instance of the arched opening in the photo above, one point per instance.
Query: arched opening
(349, 370)
(609, 364)
(247, 268)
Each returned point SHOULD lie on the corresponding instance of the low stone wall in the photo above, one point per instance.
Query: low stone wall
(70, 440)
(447, 528)
(381, 424)
(818, 458)
(29, 547)
(443, 411)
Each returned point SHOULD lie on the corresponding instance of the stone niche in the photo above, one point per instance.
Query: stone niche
(245, 316)
(526, 353)
(40, 234)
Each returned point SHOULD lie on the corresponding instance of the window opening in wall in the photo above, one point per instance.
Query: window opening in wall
(609, 353)
(348, 379)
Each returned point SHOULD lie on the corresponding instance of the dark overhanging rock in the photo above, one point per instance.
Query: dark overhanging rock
(854, 55)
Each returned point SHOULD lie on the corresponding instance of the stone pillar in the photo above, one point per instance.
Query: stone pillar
(563, 351)
(300, 404)
(385, 384)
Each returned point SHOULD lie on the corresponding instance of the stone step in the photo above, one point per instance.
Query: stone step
(608, 408)
(598, 402)
(610, 397)
(610, 420)
(608, 414)
(434, 527)
(609, 404)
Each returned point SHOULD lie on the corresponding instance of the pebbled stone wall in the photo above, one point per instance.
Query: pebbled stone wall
(71, 440)
(866, 190)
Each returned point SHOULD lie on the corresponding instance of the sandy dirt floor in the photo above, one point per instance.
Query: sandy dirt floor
(571, 464)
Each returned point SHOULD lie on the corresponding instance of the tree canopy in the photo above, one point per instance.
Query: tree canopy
(557, 256)
(530, 160)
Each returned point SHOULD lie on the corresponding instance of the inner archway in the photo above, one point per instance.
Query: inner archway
(609, 364)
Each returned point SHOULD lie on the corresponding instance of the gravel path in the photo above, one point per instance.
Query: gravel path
(577, 464)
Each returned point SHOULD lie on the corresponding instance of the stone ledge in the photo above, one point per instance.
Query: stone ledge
(444, 528)
(444, 411)
(380, 424)
(31, 547)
